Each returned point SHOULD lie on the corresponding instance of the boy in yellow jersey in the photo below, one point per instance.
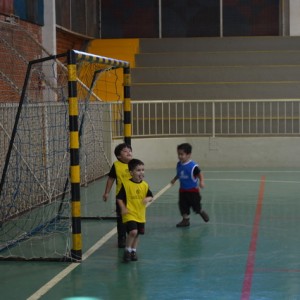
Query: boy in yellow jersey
(119, 172)
(132, 199)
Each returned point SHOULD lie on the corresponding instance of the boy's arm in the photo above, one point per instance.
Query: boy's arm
(147, 200)
(174, 179)
(121, 197)
(122, 206)
(109, 183)
(201, 180)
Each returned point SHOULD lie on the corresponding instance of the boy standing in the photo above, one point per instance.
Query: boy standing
(119, 172)
(191, 180)
(132, 199)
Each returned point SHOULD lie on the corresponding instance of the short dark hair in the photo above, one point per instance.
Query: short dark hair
(185, 147)
(134, 163)
(120, 148)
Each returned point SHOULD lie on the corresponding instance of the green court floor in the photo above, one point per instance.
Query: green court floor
(248, 250)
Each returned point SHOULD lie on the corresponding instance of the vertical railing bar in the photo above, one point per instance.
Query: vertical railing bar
(162, 119)
(285, 118)
(292, 117)
(256, 116)
(278, 118)
(235, 117)
(137, 117)
(228, 118)
(264, 119)
(204, 118)
(242, 116)
(249, 117)
(135, 113)
(149, 115)
(143, 120)
(169, 106)
(183, 118)
(213, 120)
(298, 116)
(176, 119)
(155, 114)
(221, 117)
(197, 118)
(191, 118)
(271, 117)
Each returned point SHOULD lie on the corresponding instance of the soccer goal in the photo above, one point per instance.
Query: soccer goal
(71, 107)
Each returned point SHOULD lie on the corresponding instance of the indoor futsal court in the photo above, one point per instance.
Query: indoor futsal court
(248, 250)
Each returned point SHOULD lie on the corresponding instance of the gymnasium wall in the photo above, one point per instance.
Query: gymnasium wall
(121, 49)
(228, 152)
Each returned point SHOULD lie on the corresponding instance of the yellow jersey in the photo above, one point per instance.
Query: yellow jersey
(135, 194)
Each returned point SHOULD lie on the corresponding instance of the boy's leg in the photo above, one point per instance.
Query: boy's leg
(197, 207)
(121, 229)
(131, 242)
(121, 232)
(184, 210)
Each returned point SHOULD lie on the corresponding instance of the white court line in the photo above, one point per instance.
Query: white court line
(163, 190)
(251, 171)
(251, 180)
(50, 284)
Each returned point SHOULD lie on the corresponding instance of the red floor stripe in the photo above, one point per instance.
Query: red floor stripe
(252, 248)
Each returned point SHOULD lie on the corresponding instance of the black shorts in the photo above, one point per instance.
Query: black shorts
(132, 225)
(188, 200)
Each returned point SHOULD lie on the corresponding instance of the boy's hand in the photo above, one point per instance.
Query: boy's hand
(124, 211)
(105, 196)
(147, 200)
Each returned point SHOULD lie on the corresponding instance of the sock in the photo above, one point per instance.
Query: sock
(128, 249)
(133, 250)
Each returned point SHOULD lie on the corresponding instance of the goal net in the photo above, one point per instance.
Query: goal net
(70, 109)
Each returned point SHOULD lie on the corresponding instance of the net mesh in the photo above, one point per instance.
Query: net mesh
(35, 212)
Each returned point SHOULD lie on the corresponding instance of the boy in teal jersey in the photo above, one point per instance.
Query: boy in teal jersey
(119, 172)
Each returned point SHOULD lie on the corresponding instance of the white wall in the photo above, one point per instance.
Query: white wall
(242, 152)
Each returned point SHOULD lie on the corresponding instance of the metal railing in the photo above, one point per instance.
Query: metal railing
(216, 118)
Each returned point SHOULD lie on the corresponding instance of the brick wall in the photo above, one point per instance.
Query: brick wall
(66, 41)
(19, 43)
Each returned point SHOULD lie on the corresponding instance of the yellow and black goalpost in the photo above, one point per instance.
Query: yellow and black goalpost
(73, 57)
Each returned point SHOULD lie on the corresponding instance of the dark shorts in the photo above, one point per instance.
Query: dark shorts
(132, 225)
(189, 200)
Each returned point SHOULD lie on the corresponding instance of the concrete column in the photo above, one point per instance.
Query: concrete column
(49, 29)
(294, 10)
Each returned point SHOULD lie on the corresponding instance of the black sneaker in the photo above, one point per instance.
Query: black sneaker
(133, 256)
(204, 216)
(184, 223)
(127, 256)
(122, 242)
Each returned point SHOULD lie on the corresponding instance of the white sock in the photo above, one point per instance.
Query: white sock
(133, 250)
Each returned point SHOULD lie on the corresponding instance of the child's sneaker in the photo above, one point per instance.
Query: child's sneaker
(127, 256)
(133, 256)
(184, 223)
(204, 216)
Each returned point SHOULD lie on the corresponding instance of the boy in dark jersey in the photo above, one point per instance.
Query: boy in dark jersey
(191, 180)
(133, 198)
(119, 172)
